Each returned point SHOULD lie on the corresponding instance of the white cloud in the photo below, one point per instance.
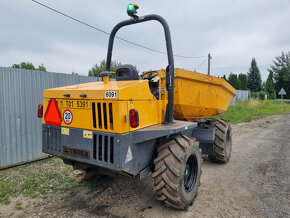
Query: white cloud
(232, 31)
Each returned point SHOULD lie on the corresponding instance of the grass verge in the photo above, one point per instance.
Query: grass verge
(254, 109)
(37, 180)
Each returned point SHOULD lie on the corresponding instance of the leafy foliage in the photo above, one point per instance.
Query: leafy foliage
(234, 81)
(281, 73)
(269, 86)
(243, 81)
(97, 69)
(29, 66)
(259, 95)
(225, 78)
(254, 77)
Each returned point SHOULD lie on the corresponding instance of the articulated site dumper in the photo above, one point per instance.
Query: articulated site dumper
(137, 125)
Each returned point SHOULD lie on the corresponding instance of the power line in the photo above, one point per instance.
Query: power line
(242, 67)
(200, 64)
(107, 33)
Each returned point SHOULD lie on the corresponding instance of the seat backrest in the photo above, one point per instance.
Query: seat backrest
(126, 72)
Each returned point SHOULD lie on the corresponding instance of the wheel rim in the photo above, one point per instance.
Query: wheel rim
(228, 144)
(190, 173)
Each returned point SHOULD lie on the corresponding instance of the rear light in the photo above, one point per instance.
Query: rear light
(134, 118)
(40, 111)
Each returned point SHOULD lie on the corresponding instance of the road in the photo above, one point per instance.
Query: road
(255, 183)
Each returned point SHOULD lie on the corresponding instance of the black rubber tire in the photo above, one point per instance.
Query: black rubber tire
(170, 171)
(222, 147)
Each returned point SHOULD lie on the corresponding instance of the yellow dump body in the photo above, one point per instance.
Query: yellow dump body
(200, 96)
(195, 96)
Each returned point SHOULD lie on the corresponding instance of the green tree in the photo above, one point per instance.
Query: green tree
(234, 81)
(244, 81)
(254, 77)
(28, 66)
(281, 73)
(269, 86)
(225, 78)
(97, 69)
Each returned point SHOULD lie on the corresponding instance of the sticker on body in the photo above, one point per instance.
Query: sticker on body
(111, 94)
(67, 117)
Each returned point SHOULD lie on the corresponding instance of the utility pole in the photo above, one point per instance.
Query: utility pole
(208, 64)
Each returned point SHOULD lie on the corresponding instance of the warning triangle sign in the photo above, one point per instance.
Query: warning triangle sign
(52, 115)
(129, 155)
(282, 92)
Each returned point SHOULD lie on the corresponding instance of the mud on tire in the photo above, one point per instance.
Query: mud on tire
(177, 172)
(222, 147)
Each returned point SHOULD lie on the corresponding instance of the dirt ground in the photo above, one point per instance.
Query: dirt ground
(255, 183)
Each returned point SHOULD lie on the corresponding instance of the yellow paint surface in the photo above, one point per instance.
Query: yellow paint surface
(195, 96)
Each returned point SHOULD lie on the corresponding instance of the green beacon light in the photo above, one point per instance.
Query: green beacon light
(132, 10)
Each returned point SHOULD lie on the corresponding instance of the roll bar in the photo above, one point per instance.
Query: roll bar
(170, 69)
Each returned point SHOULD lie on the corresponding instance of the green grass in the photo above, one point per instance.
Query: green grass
(254, 109)
(37, 180)
(18, 205)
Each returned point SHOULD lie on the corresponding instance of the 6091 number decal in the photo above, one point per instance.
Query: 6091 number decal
(111, 94)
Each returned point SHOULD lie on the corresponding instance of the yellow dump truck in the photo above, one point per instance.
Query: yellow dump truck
(140, 124)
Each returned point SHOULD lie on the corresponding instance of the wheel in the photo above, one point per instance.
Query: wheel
(222, 147)
(177, 172)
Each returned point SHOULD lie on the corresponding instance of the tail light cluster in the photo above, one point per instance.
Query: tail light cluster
(134, 118)
(40, 111)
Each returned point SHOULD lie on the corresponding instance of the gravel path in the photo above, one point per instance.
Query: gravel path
(255, 183)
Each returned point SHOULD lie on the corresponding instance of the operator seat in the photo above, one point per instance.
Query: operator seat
(126, 72)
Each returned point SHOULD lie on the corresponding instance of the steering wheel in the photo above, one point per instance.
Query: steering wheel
(151, 73)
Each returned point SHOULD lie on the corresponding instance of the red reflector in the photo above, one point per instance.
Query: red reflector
(52, 115)
(134, 118)
(40, 111)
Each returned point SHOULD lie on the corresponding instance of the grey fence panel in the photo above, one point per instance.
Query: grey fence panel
(241, 95)
(20, 93)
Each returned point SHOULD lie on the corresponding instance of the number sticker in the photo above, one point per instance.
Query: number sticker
(78, 104)
(67, 117)
(111, 94)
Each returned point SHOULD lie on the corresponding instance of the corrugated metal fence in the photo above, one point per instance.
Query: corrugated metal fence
(20, 93)
(241, 95)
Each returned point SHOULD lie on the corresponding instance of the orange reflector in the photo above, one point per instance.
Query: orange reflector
(52, 115)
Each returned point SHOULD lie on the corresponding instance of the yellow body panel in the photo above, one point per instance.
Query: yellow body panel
(200, 96)
(131, 95)
(127, 90)
(195, 96)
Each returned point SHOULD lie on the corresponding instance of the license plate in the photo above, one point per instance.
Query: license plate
(77, 104)
(76, 152)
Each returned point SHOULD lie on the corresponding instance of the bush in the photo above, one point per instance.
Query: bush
(262, 95)
(259, 95)
(255, 95)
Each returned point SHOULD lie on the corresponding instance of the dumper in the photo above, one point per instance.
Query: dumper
(155, 123)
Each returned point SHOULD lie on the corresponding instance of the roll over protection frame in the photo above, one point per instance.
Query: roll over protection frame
(169, 72)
